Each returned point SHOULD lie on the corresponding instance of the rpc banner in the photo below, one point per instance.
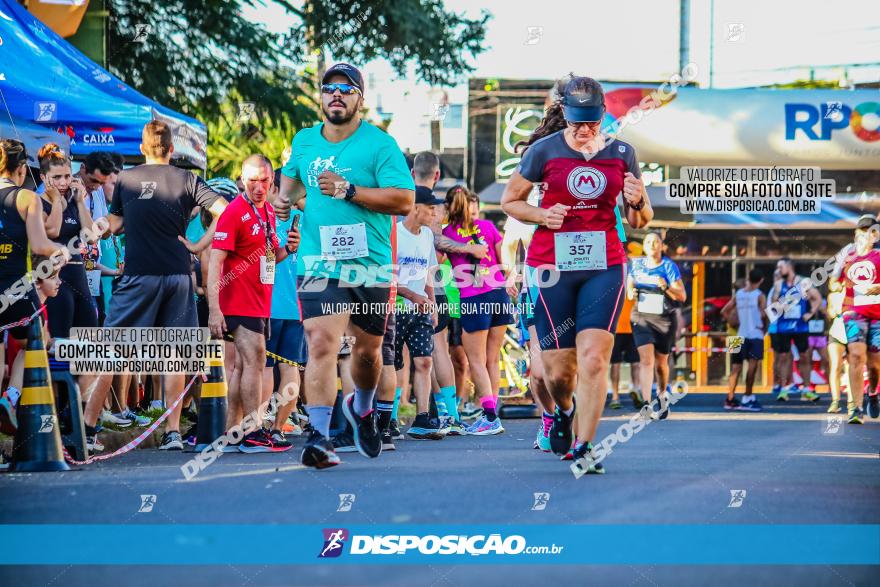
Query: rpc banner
(831, 129)
(636, 544)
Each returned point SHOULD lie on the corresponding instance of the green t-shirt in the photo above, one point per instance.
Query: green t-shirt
(339, 236)
(453, 296)
(112, 254)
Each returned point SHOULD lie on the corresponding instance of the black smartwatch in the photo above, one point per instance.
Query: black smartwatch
(350, 192)
(638, 206)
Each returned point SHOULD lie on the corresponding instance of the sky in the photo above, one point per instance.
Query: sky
(756, 42)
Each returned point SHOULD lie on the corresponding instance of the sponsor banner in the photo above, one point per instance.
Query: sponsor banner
(633, 544)
(832, 129)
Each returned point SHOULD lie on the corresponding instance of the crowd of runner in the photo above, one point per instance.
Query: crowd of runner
(343, 286)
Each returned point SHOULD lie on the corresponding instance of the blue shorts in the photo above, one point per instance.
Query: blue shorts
(486, 310)
(287, 339)
(752, 349)
(580, 300)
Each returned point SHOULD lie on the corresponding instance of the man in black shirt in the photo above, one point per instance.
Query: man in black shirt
(152, 204)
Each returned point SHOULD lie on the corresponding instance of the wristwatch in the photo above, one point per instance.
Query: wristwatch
(350, 191)
(638, 206)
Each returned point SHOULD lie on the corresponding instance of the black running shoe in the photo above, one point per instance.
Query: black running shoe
(171, 440)
(856, 416)
(189, 437)
(425, 428)
(318, 452)
(637, 400)
(387, 441)
(664, 407)
(560, 432)
(874, 405)
(279, 441)
(256, 441)
(343, 442)
(583, 462)
(367, 437)
(396, 434)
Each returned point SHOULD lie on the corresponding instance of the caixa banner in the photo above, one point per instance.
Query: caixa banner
(832, 129)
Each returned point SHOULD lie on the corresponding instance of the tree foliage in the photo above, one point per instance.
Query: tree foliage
(192, 54)
(402, 31)
(203, 58)
(807, 84)
(232, 137)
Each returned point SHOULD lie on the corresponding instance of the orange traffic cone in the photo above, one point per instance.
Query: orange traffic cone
(212, 405)
(37, 444)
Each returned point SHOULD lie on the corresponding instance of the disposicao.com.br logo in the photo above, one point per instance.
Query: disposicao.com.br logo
(431, 544)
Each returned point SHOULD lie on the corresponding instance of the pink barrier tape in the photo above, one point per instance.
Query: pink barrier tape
(135, 442)
(22, 322)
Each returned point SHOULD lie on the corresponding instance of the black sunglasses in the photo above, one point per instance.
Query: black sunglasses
(346, 89)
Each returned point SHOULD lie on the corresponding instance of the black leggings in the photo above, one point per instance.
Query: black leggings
(74, 305)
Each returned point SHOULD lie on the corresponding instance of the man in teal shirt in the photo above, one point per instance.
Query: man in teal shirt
(354, 178)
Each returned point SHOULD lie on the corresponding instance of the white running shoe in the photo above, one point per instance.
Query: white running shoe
(108, 418)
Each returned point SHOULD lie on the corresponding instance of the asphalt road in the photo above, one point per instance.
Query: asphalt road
(679, 471)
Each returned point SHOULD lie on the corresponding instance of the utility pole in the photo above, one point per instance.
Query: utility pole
(711, 42)
(684, 34)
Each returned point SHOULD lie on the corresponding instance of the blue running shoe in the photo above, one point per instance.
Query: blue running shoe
(874, 405)
(483, 427)
(542, 441)
(749, 403)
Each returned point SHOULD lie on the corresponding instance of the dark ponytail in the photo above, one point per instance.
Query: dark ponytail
(12, 155)
(554, 119)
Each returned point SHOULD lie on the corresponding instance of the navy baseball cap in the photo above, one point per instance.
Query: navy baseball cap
(582, 105)
(351, 72)
(426, 196)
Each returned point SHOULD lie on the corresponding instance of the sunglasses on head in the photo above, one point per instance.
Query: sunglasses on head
(346, 89)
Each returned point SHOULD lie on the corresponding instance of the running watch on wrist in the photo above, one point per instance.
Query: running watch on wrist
(350, 191)
(638, 206)
(341, 190)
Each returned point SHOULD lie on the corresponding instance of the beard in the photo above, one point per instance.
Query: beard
(338, 117)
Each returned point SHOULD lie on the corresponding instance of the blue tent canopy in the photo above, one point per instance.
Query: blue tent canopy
(44, 80)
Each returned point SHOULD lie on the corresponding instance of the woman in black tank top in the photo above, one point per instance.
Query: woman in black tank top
(66, 215)
(21, 232)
